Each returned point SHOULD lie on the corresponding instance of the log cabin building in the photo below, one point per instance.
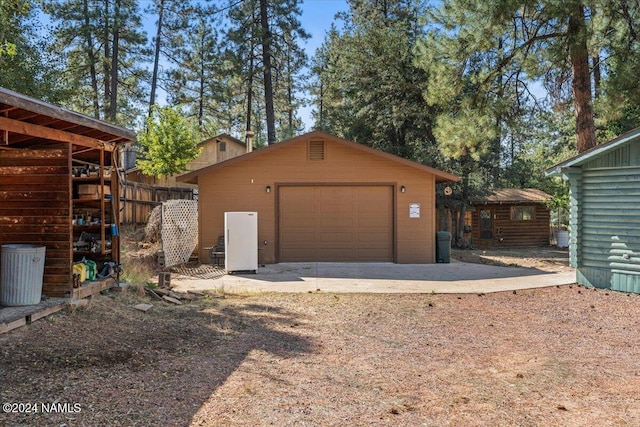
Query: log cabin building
(510, 217)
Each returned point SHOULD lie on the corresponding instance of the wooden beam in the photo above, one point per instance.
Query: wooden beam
(37, 131)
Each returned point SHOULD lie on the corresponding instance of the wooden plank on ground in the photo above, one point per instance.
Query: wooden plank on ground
(91, 288)
(6, 327)
(46, 312)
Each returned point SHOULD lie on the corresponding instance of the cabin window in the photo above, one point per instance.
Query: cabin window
(522, 213)
(223, 146)
(316, 150)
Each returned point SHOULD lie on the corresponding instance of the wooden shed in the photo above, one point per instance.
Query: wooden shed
(510, 217)
(57, 166)
(604, 224)
(323, 198)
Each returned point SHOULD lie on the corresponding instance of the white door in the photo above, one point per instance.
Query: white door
(241, 241)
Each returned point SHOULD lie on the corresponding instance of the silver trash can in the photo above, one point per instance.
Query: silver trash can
(21, 274)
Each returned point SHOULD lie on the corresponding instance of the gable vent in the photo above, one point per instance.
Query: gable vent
(316, 150)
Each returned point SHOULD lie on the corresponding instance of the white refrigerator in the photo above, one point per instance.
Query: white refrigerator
(241, 241)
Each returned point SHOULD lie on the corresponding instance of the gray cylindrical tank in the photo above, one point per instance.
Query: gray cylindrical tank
(443, 247)
(21, 274)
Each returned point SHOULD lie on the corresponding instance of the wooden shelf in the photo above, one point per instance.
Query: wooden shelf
(96, 201)
(90, 227)
(89, 253)
(100, 206)
(90, 179)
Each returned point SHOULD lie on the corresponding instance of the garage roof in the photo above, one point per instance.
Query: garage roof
(28, 122)
(441, 176)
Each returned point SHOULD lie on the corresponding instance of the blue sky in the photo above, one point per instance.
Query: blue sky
(317, 16)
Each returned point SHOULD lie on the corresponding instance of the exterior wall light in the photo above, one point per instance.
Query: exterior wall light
(403, 189)
(268, 189)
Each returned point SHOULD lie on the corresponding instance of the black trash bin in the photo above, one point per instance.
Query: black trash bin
(443, 247)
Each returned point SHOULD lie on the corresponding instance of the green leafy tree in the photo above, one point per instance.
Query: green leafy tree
(12, 14)
(168, 144)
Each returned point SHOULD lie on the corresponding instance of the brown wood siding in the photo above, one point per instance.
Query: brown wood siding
(242, 187)
(35, 208)
(335, 223)
(508, 233)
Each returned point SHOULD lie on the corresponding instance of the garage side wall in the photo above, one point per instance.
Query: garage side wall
(243, 187)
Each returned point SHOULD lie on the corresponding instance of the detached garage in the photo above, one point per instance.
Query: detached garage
(321, 198)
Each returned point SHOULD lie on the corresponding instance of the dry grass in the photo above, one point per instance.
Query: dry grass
(138, 258)
(558, 356)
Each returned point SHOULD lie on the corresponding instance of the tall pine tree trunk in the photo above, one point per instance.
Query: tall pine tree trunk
(581, 84)
(107, 54)
(92, 59)
(156, 58)
(290, 131)
(113, 98)
(201, 87)
(597, 75)
(267, 72)
(250, 77)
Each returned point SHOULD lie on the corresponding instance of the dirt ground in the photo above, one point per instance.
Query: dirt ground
(542, 258)
(565, 356)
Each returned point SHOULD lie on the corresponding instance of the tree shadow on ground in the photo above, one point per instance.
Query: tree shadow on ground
(125, 367)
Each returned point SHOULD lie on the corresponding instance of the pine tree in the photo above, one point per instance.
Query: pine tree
(105, 54)
(194, 81)
(262, 40)
(28, 63)
(488, 47)
(371, 91)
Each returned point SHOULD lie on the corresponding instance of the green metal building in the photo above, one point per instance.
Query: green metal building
(604, 182)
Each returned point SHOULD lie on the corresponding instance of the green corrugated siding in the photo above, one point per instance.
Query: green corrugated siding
(598, 277)
(625, 282)
(622, 156)
(609, 224)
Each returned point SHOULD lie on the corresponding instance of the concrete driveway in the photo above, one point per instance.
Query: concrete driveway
(457, 277)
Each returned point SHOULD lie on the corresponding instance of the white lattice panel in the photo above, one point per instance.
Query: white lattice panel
(179, 230)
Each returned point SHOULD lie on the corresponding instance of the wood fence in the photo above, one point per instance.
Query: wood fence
(137, 200)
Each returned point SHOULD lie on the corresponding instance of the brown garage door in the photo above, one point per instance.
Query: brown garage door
(336, 223)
